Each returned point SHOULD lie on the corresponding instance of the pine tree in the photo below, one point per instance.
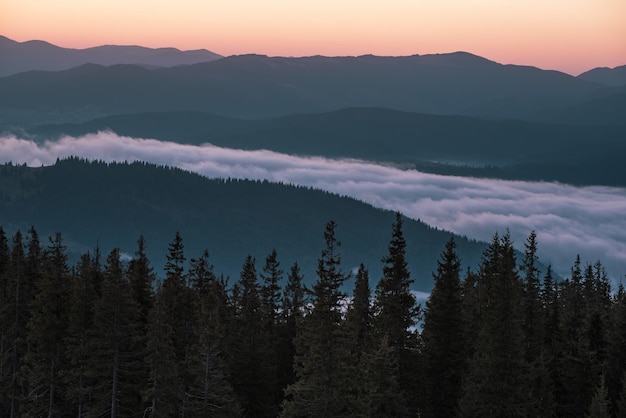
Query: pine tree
(113, 343)
(45, 359)
(178, 304)
(247, 343)
(496, 383)
(14, 316)
(443, 336)
(292, 306)
(358, 321)
(577, 376)
(600, 406)
(270, 293)
(323, 381)
(541, 401)
(5, 321)
(211, 391)
(163, 392)
(358, 327)
(396, 311)
(141, 279)
(79, 377)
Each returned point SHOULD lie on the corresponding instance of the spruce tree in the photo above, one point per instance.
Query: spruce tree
(141, 280)
(46, 358)
(396, 312)
(163, 392)
(496, 384)
(323, 380)
(79, 378)
(292, 306)
(177, 298)
(541, 401)
(358, 327)
(210, 388)
(600, 405)
(443, 336)
(114, 344)
(5, 321)
(270, 293)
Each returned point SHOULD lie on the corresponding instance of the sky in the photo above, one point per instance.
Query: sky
(569, 220)
(566, 35)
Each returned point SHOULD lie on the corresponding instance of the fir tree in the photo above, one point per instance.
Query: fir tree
(496, 383)
(444, 336)
(600, 406)
(79, 378)
(211, 391)
(270, 293)
(247, 343)
(396, 311)
(323, 382)
(113, 343)
(163, 391)
(45, 359)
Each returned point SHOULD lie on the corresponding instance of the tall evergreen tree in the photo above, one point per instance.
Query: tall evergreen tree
(114, 343)
(577, 376)
(270, 293)
(163, 391)
(358, 327)
(600, 405)
(443, 335)
(79, 377)
(496, 383)
(178, 304)
(541, 401)
(396, 311)
(323, 382)
(141, 280)
(247, 343)
(292, 306)
(210, 388)
(5, 315)
(14, 316)
(45, 359)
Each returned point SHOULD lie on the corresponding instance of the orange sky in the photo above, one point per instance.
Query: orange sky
(568, 35)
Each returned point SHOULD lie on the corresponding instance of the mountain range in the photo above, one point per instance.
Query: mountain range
(39, 55)
(254, 86)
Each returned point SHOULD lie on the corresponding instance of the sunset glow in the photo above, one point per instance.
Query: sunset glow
(563, 35)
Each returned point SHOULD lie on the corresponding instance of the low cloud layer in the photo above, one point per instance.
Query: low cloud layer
(589, 221)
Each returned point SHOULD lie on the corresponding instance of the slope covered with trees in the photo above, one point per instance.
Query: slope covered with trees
(110, 205)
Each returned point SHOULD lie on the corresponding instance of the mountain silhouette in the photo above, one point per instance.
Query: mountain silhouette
(604, 75)
(39, 55)
(255, 86)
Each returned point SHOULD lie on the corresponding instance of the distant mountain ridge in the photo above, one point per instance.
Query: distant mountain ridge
(39, 55)
(604, 75)
(255, 86)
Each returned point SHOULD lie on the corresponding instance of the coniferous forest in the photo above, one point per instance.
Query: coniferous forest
(113, 337)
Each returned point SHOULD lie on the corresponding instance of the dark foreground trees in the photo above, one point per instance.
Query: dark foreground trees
(106, 337)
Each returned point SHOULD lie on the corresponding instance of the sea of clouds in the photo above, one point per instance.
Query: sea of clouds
(590, 221)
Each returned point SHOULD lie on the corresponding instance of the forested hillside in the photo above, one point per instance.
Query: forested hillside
(111, 205)
(591, 153)
(104, 336)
